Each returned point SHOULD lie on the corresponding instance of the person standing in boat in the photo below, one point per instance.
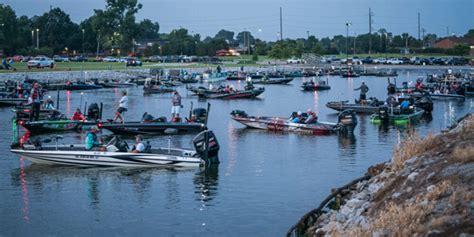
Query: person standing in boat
(363, 91)
(35, 96)
(123, 104)
(176, 106)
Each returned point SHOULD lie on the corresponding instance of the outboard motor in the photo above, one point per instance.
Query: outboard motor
(391, 89)
(425, 102)
(384, 114)
(347, 121)
(93, 112)
(207, 146)
(200, 115)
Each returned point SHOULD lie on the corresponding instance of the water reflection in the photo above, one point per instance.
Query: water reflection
(24, 191)
(205, 183)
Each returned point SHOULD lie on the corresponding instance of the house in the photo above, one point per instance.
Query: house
(450, 42)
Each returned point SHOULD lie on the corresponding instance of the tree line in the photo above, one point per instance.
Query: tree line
(115, 31)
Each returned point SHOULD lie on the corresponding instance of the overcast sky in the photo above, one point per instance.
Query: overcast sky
(261, 17)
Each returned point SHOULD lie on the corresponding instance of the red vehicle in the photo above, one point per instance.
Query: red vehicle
(18, 58)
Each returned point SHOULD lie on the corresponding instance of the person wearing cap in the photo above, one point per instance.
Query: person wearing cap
(91, 139)
(298, 118)
(123, 104)
(312, 117)
(139, 147)
(176, 105)
(363, 91)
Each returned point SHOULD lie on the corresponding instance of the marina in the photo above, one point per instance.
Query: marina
(250, 160)
(218, 118)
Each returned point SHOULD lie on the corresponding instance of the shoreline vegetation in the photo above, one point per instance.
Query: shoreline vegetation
(426, 189)
(21, 68)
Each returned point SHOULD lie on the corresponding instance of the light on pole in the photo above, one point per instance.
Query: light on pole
(98, 43)
(37, 38)
(347, 38)
(83, 40)
(3, 37)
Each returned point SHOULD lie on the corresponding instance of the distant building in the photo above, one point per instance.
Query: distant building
(229, 52)
(450, 42)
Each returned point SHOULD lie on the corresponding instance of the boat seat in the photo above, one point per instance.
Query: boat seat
(147, 147)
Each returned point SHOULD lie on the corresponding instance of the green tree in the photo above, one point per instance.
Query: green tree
(8, 29)
(225, 35)
(461, 49)
(148, 29)
(56, 29)
(470, 34)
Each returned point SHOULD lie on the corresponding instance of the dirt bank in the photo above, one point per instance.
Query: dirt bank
(425, 190)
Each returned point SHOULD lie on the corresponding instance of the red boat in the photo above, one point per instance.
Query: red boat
(346, 123)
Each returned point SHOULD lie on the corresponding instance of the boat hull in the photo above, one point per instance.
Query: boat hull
(273, 81)
(234, 95)
(109, 159)
(346, 124)
(133, 128)
(6, 102)
(39, 127)
(315, 87)
(360, 109)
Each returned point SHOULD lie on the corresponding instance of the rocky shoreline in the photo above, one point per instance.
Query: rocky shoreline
(427, 189)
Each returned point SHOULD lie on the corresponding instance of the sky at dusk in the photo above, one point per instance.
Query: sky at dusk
(261, 17)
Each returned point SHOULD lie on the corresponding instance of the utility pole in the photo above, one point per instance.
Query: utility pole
(307, 34)
(347, 39)
(281, 24)
(33, 38)
(98, 41)
(419, 26)
(83, 40)
(370, 31)
(447, 31)
(423, 30)
(355, 36)
(37, 39)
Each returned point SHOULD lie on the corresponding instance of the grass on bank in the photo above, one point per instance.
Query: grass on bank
(92, 66)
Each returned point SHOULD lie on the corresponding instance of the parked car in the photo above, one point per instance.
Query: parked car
(293, 60)
(457, 61)
(439, 61)
(79, 58)
(58, 58)
(421, 61)
(154, 58)
(405, 60)
(98, 59)
(40, 62)
(133, 62)
(394, 61)
(18, 58)
(367, 60)
(380, 61)
(109, 59)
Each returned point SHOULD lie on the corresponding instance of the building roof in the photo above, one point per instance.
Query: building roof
(459, 40)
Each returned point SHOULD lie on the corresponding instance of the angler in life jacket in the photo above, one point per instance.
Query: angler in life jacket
(35, 96)
(92, 142)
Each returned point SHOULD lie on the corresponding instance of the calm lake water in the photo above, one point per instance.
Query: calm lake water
(265, 182)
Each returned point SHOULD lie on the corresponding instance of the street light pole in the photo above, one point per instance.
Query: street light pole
(98, 41)
(3, 37)
(347, 38)
(83, 41)
(32, 38)
(37, 39)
